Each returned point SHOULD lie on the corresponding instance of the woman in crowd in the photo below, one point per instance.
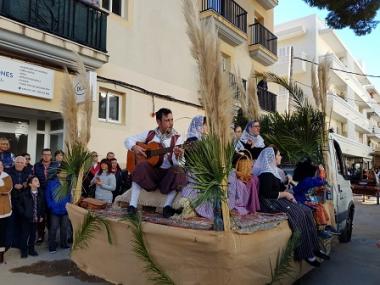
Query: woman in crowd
(251, 139)
(116, 170)
(274, 198)
(89, 190)
(105, 182)
(5, 208)
(237, 135)
(58, 155)
(31, 209)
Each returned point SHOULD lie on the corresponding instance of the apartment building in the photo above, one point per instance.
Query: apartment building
(352, 99)
(137, 54)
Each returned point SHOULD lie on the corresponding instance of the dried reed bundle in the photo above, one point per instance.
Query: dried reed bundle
(85, 107)
(315, 86)
(215, 94)
(69, 109)
(249, 100)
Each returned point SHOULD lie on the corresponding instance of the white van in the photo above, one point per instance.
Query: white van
(342, 193)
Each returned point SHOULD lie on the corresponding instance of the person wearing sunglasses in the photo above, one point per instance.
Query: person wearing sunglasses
(251, 139)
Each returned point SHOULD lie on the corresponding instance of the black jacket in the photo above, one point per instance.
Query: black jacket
(25, 205)
(270, 186)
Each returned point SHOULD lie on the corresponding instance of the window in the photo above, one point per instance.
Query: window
(109, 107)
(226, 62)
(118, 7)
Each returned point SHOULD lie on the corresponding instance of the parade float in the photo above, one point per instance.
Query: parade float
(149, 249)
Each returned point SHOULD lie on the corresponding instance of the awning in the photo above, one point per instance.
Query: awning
(353, 148)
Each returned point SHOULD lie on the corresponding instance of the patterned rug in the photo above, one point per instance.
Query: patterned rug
(241, 224)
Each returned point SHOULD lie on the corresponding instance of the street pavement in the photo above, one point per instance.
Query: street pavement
(357, 262)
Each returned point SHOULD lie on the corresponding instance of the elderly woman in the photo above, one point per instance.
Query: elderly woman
(251, 139)
(5, 208)
(274, 198)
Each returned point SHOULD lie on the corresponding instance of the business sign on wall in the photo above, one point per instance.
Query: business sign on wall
(19, 77)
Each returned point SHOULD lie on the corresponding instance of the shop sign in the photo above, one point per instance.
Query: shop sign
(23, 78)
(80, 91)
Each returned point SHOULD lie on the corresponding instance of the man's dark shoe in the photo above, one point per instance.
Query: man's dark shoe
(32, 252)
(24, 254)
(314, 263)
(167, 212)
(132, 211)
(321, 255)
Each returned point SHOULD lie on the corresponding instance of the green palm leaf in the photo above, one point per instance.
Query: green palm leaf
(155, 273)
(91, 224)
(209, 164)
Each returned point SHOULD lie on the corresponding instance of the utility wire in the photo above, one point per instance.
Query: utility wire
(361, 101)
(337, 69)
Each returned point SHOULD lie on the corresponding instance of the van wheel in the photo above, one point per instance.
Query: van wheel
(346, 234)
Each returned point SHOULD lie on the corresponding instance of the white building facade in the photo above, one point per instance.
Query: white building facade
(352, 100)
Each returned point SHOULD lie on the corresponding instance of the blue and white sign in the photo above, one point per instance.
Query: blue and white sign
(23, 78)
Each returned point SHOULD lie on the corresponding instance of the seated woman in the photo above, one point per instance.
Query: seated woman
(305, 174)
(251, 139)
(242, 197)
(274, 198)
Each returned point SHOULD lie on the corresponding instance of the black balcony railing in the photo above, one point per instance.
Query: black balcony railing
(267, 100)
(233, 85)
(261, 35)
(70, 19)
(230, 10)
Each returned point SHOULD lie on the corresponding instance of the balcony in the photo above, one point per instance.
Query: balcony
(262, 44)
(268, 4)
(267, 100)
(53, 29)
(342, 111)
(230, 19)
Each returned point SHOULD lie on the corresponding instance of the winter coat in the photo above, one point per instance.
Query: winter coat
(25, 205)
(39, 171)
(56, 206)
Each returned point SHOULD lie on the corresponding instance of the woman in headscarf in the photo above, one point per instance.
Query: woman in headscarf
(242, 196)
(251, 139)
(274, 198)
(197, 128)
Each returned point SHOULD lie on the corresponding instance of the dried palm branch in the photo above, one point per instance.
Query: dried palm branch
(242, 94)
(215, 94)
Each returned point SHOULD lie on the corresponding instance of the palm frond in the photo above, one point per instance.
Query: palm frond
(69, 109)
(295, 92)
(76, 158)
(315, 86)
(155, 273)
(209, 163)
(90, 225)
(284, 259)
(253, 99)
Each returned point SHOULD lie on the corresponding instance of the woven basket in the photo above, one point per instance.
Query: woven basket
(244, 167)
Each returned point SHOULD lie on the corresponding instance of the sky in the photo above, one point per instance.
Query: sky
(365, 48)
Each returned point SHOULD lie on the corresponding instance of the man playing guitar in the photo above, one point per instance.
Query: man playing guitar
(168, 176)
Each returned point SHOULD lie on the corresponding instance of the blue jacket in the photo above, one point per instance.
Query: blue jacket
(56, 207)
(305, 185)
(7, 158)
(39, 171)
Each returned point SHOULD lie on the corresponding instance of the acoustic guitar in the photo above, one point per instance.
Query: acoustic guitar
(154, 151)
